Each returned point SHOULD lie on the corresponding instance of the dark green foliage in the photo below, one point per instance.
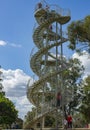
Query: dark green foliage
(20, 123)
(8, 113)
(79, 32)
(49, 121)
(85, 106)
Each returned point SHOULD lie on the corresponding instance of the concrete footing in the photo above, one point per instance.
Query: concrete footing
(63, 129)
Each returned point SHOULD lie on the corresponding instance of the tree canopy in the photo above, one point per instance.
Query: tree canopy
(79, 34)
(85, 104)
(8, 113)
(70, 76)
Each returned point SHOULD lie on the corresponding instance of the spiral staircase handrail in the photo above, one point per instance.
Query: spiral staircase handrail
(60, 11)
(42, 33)
(55, 8)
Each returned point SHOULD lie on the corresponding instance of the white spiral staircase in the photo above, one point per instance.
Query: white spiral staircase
(46, 64)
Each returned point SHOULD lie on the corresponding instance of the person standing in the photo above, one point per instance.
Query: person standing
(47, 8)
(69, 120)
(50, 27)
(39, 5)
(58, 99)
(65, 124)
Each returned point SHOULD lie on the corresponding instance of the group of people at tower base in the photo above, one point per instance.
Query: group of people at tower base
(68, 122)
(68, 119)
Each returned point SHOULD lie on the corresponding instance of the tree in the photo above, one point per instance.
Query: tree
(78, 120)
(72, 77)
(20, 123)
(85, 105)
(8, 113)
(28, 118)
(1, 91)
(79, 32)
(1, 86)
(49, 121)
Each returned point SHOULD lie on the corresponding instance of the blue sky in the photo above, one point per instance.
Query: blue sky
(16, 30)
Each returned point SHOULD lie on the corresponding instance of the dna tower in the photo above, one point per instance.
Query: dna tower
(49, 64)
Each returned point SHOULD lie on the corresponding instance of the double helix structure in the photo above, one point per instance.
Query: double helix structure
(48, 62)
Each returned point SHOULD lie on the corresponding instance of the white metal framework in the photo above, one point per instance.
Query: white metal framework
(48, 62)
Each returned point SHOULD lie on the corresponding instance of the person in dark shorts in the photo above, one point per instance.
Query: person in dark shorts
(69, 120)
(58, 99)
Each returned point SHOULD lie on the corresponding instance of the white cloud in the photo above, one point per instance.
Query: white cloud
(15, 45)
(15, 85)
(85, 59)
(3, 43)
(22, 104)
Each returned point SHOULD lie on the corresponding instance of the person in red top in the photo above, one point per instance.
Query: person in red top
(69, 120)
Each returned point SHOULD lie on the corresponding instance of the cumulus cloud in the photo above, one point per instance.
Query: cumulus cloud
(22, 104)
(85, 59)
(3, 43)
(15, 85)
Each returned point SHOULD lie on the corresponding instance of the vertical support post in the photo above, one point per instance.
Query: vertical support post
(89, 48)
(43, 121)
(45, 71)
(41, 125)
(62, 86)
(56, 76)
